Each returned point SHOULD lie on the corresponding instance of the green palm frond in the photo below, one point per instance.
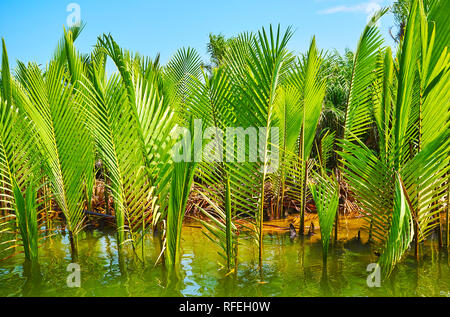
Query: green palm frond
(19, 162)
(111, 120)
(78, 71)
(180, 187)
(371, 180)
(308, 78)
(263, 69)
(325, 149)
(288, 109)
(383, 98)
(53, 105)
(6, 85)
(179, 72)
(325, 192)
(437, 17)
(156, 120)
(401, 230)
(412, 123)
(211, 101)
(152, 120)
(434, 76)
(424, 178)
(359, 98)
(60, 53)
(408, 56)
(26, 214)
(19, 150)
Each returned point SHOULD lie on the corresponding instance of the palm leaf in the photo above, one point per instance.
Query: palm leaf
(180, 187)
(53, 106)
(358, 102)
(401, 230)
(26, 213)
(325, 192)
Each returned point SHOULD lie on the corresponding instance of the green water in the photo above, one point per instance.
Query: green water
(291, 268)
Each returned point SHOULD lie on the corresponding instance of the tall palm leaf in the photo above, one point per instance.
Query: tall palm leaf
(412, 149)
(211, 101)
(257, 65)
(180, 187)
(53, 105)
(26, 213)
(19, 159)
(288, 109)
(359, 99)
(113, 128)
(325, 192)
(152, 120)
(308, 78)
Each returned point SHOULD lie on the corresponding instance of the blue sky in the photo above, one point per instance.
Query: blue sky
(32, 28)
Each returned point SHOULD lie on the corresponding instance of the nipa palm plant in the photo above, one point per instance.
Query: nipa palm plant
(401, 186)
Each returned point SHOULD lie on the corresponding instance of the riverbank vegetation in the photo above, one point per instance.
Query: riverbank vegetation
(364, 133)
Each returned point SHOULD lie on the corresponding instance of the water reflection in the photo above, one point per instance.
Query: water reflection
(33, 277)
(291, 267)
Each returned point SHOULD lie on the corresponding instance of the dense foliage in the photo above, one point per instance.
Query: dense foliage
(371, 124)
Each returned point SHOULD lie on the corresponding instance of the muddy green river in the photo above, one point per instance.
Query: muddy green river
(292, 267)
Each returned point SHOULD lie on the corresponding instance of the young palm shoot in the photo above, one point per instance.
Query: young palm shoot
(26, 214)
(325, 192)
(308, 78)
(180, 187)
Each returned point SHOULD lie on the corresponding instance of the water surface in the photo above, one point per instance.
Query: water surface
(291, 268)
